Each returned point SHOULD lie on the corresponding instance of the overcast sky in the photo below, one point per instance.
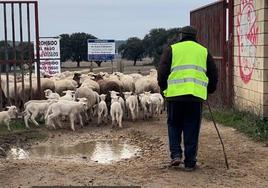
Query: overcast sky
(113, 19)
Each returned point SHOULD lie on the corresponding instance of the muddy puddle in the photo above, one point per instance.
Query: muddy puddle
(103, 151)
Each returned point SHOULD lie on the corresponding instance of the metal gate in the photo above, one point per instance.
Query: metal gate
(19, 28)
(211, 24)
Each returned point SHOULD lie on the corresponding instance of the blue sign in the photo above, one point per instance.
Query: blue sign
(101, 50)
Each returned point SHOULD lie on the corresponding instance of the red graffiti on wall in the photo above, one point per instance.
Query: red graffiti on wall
(247, 35)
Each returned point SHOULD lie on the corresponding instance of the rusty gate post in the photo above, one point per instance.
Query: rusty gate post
(37, 50)
(13, 29)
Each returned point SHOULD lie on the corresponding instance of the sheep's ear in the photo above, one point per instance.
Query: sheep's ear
(64, 92)
(8, 107)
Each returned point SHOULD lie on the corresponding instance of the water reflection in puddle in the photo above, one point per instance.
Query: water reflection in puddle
(104, 152)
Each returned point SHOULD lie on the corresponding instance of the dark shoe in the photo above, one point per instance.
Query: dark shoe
(175, 162)
(189, 169)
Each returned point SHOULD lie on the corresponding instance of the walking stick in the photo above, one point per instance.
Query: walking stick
(224, 153)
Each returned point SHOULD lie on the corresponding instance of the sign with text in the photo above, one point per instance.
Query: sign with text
(50, 67)
(49, 48)
(49, 55)
(101, 50)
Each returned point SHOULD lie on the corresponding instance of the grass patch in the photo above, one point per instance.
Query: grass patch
(19, 134)
(16, 125)
(244, 122)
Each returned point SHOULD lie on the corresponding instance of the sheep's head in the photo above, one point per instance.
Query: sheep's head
(114, 93)
(127, 94)
(103, 97)
(77, 77)
(47, 92)
(114, 98)
(12, 111)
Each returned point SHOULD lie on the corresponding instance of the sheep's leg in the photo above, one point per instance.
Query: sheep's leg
(7, 123)
(106, 116)
(26, 119)
(59, 122)
(99, 118)
(51, 118)
(33, 116)
(137, 112)
(90, 114)
(72, 118)
(120, 117)
(113, 119)
(132, 114)
(80, 120)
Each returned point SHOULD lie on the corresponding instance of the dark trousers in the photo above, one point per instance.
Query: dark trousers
(184, 118)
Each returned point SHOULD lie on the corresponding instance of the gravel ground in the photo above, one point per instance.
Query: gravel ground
(248, 160)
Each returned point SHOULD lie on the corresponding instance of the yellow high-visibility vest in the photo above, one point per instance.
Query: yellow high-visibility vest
(188, 70)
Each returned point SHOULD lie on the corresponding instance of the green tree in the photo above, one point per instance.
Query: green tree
(65, 47)
(24, 51)
(156, 40)
(132, 50)
(74, 46)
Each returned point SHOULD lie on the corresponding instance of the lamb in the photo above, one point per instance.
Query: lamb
(116, 111)
(102, 110)
(50, 95)
(155, 106)
(34, 108)
(46, 83)
(162, 101)
(132, 105)
(6, 116)
(121, 100)
(146, 105)
(66, 108)
(69, 95)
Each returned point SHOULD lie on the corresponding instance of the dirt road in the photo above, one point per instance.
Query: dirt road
(248, 161)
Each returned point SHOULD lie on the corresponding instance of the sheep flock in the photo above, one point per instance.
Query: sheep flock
(79, 97)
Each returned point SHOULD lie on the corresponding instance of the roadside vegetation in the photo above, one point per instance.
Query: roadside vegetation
(19, 135)
(244, 122)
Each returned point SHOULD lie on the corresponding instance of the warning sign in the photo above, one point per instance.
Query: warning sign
(49, 56)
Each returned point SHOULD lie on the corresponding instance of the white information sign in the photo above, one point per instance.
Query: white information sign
(99, 50)
(49, 56)
(49, 48)
(50, 67)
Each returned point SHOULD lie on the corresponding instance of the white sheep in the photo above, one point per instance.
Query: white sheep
(132, 105)
(50, 95)
(120, 99)
(146, 104)
(90, 95)
(69, 95)
(65, 84)
(66, 108)
(155, 106)
(6, 116)
(127, 81)
(102, 110)
(162, 101)
(147, 83)
(116, 111)
(33, 108)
